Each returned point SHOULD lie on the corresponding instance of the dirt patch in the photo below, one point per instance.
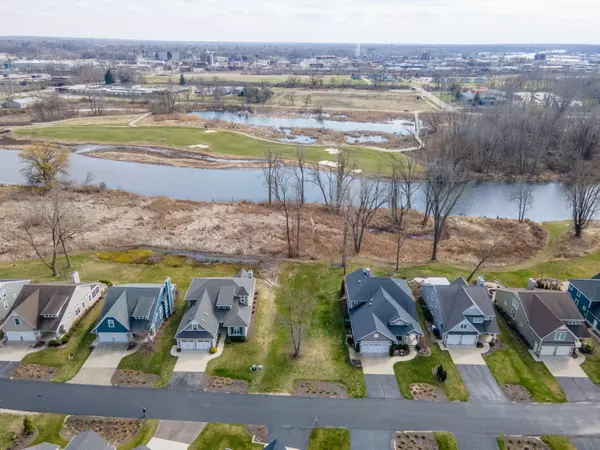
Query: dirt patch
(320, 389)
(228, 385)
(570, 246)
(115, 431)
(517, 393)
(133, 378)
(21, 441)
(524, 443)
(414, 441)
(34, 372)
(260, 432)
(494, 348)
(424, 391)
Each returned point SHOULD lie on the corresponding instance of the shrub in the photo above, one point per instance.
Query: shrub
(28, 428)
(228, 340)
(418, 347)
(427, 313)
(392, 349)
(587, 349)
(213, 350)
(64, 340)
(350, 341)
(436, 333)
(54, 343)
(106, 282)
(479, 345)
(441, 373)
(357, 349)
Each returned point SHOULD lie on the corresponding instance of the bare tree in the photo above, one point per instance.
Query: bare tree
(400, 238)
(334, 180)
(295, 315)
(270, 169)
(299, 171)
(307, 100)
(583, 194)
(484, 254)
(45, 164)
(290, 95)
(96, 101)
(165, 102)
(288, 197)
(370, 198)
(402, 187)
(48, 107)
(523, 197)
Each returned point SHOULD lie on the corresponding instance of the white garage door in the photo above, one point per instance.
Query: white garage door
(113, 337)
(187, 345)
(453, 339)
(194, 344)
(461, 339)
(374, 347)
(564, 350)
(203, 345)
(548, 350)
(26, 336)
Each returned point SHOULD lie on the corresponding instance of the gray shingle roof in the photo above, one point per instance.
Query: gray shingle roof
(44, 446)
(89, 440)
(461, 281)
(225, 296)
(589, 288)
(457, 298)
(201, 312)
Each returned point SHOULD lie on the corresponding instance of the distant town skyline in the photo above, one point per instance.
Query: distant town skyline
(374, 21)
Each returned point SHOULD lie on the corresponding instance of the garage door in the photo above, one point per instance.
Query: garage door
(548, 350)
(461, 339)
(26, 336)
(374, 347)
(113, 337)
(194, 344)
(564, 350)
(203, 345)
(187, 345)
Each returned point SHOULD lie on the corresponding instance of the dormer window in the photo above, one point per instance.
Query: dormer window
(477, 319)
(242, 299)
(194, 327)
(111, 323)
(17, 321)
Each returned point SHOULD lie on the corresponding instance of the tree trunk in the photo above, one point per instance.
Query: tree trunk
(345, 249)
(397, 253)
(66, 254)
(54, 272)
(578, 230)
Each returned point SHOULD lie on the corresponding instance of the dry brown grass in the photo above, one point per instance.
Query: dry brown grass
(571, 247)
(120, 219)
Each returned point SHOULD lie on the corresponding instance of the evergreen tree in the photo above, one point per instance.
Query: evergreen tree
(108, 77)
(182, 80)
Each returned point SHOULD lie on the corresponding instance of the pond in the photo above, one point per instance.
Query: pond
(399, 126)
(482, 198)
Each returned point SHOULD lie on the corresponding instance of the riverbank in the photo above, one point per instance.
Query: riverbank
(119, 219)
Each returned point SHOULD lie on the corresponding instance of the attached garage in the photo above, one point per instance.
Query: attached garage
(556, 350)
(461, 339)
(374, 347)
(25, 336)
(113, 338)
(194, 344)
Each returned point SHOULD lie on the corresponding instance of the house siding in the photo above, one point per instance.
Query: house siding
(583, 305)
(429, 296)
(8, 294)
(520, 322)
(83, 299)
(9, 324)
(103, 327)
(569, 339)
(380, 338)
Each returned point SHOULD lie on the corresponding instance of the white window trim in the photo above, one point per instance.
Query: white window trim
(515, 304)
(513, 313)
(560, 336)
(5, 305)
(477, 319)
(111, 323)
(17, 321)
(578, 294)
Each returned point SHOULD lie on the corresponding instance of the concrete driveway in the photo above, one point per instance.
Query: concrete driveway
(382, 364)
(382, 386)
(370, 440)
(7, 368)
(571, 378)
(174, 435)
(16, 351)
(586, 443)
(102, 363)
(191, 365)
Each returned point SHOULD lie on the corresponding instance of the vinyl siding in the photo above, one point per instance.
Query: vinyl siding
(9, 324)
(82, 299)
(12, 291)
(380, 338)
(583, 305)
(103, 327)
(569, 339)
(520, 322)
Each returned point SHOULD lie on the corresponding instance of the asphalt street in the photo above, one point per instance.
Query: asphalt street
(480, 383)
(577, 419)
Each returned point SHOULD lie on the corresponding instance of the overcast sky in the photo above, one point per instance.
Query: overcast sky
(386, 21)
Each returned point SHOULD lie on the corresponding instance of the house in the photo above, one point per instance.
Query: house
(19, 103)
(586, 296)
(44, 446)
(9, 290)
(215, 304)
(548, 320)
(462, 313)
(134, 311)
(89, 440)
(47, 311)
(382, 312)
(274, 445)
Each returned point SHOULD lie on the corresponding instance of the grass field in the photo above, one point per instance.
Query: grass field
(143, 436)
(219, 436)
(324, 355)
(329, 439)
(48, 426)
(241, 78)
(515, 365)
(225, 143)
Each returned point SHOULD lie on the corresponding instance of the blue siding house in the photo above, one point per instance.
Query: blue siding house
(134, 311)
(586, 295)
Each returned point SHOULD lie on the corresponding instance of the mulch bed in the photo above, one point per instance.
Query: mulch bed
(414, 441)
(260, 432)
(517, 393)
(20, 441)
(524, 443)
(34, 372)
(228, 385)
(116, 431)
(424, 391)
(320, 389)
(133, 378)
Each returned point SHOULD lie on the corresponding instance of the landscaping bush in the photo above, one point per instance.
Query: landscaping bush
(587, 349)
(54, 343)
(227, 340)
(479, 345)
(107, 282)
(213, 350)
(392, 350)
(418, 348)
(64, 340)
(28, 428)
(350, 341)
(442, 374)
(427, 313)
(436, 333)
(357, 349)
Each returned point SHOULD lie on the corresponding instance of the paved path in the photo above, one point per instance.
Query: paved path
(133, 123)
(586, 443)
(370, 440)
(476, 442)
(382, 386)
(299, 412)
(290, 437)
(480, 383)
(7, 368)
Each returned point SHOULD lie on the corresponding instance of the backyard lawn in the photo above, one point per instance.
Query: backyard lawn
(329, 439)
(591, 366)
(515, 365)
(226, 143)
(324, 355)
(220, 436)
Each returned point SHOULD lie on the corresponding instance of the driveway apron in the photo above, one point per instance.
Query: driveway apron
(480, 383)
(586, 443)
(382, 386)
(476, 441)
(290, 437)
(370, 440)
(579, 389)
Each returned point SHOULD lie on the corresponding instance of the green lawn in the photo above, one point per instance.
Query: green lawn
(219, 436)
(143, 436)
(419, 370)
(324, 355)
(329, 439)
(445, 441)
(515, 365)
(591, 366)
(48, 426)
(224, 143)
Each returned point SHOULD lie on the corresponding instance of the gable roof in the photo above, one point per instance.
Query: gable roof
(274, 445)
(200, 312)
(128, 303)
(383, 302)
(89, 440)
(589, 288)
(460, 281)
(457, 298)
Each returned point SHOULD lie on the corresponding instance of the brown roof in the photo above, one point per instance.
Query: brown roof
(35, 298)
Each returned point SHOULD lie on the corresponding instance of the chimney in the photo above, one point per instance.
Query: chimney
(480, 281)
(250, 273)
(531, 284)
(367, 271)
(75, 277)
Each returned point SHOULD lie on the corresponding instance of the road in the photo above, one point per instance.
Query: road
(577, 419)
(435, 100)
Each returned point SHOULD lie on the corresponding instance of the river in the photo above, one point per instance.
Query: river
(481, 198)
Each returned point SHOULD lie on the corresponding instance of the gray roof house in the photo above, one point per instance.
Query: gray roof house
(89, 440)
(215, 304)
(47, 311)
(463, 314)
(548, 320)
(9, 290)
(382, 311)
(44, 446)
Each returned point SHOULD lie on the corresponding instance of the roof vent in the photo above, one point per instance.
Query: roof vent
(359, 281)
(531, 284)
(205, 313)
(204, 321)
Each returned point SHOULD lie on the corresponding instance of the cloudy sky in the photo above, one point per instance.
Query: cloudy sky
(386, 21)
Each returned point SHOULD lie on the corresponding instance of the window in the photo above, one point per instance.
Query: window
(5, 305)
(376, 335)
(477, 319)
(17, 321)
(237, 331)
(576, 302)
(513, 313)
(560, 336)
(111, 323)
(3, 294)
(463, 326)
(578, 294)
(83, 305)
(194, 327)
(77, 311)
(515, 304)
